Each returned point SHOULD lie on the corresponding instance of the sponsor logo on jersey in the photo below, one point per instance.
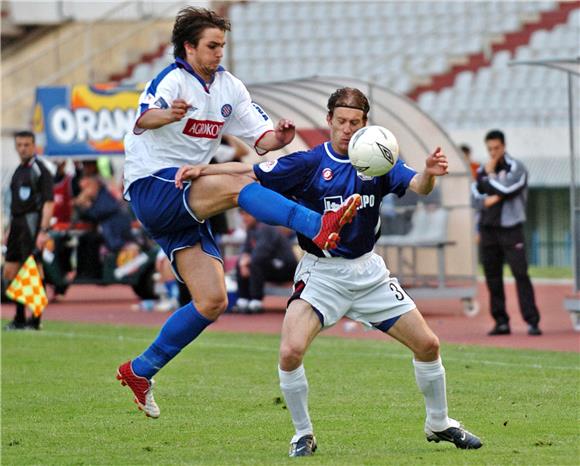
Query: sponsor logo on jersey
(203, 128)
(332, 202)
(364, 177)
(327, 174)
(268, 166)
(226, 110)
(260, 111)
(367, 200)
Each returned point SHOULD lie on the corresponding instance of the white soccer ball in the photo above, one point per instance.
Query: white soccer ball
(373, 150)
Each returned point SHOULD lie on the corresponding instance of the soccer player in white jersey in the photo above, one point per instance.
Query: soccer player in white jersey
(183, 113)
(350, 280)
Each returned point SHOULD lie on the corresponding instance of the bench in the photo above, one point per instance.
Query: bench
(428, 230)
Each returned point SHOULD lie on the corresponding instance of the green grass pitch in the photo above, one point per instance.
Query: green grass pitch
(220, 402)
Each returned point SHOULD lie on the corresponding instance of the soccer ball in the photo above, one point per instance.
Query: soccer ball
(373, 150)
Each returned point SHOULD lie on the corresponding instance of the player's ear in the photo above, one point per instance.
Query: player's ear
(328, 118)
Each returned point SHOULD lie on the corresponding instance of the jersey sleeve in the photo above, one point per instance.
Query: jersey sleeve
(158, 94)
(46, 184)
(289, 174)
(249, 122)
(397, 179)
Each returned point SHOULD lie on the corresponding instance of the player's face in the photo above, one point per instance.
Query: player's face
(343, 124)
(25, 148)
(206, 57)
(495, 148)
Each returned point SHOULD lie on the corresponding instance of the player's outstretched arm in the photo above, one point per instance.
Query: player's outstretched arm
(280, 137)
(158, 117)
(191, 172)
(435, 165)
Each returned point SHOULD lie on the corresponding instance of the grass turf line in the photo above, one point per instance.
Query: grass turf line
(221, 404)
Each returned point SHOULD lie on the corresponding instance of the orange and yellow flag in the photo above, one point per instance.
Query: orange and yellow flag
(27, 288)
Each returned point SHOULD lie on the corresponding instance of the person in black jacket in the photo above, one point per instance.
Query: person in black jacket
(502, 182)
(31, 209)
(267, 255)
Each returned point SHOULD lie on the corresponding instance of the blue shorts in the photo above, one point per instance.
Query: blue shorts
(166, 216)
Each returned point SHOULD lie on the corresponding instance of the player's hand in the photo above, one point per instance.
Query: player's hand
(187, 173)
(41, 240)
(285, 132)
(436, 164)
(178, 109)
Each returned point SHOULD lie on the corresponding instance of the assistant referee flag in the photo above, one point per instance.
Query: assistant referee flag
(27, 288)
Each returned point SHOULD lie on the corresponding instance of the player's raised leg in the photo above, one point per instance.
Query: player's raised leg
(412, 330)
(212, 194)
(301, 325)
(204, 278)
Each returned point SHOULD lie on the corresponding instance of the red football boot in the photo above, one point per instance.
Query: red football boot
(334, 220)
(142, 389)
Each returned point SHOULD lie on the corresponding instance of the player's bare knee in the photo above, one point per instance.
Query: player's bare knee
(428, 348)
(212, 308)
(291, 356)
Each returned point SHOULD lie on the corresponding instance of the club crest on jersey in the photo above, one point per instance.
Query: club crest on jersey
(268, 166)
(327, 174)
(203, 128)
(332, 202)
(226, 110)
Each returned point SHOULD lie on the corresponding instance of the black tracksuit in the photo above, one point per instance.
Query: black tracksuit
(502, 237)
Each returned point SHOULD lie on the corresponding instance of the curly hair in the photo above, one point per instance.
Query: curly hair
(348, 97)
(190, 24)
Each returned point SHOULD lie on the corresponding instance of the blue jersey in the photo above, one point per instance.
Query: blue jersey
(321, 180)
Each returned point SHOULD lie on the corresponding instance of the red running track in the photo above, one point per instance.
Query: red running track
(113, 304)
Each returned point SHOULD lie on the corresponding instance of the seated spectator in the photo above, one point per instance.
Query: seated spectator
(267, 256)
(98, 205)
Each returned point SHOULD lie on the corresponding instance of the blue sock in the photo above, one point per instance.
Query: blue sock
(270, 207)
(181, 328)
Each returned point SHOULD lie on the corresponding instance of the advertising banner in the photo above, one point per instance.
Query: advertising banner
(84, 120)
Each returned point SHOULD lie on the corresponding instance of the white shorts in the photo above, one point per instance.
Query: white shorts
(360, 289)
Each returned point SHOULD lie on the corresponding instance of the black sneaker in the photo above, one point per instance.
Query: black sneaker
(305, 446)
(460, 437)
(500, 329)
(534, 330)
(10, 326)
(33, 323)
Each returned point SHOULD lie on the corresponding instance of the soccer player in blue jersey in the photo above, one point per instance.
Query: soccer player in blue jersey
(350, 280)
(183, 114)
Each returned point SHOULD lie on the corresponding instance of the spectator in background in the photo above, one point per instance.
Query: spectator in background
(98, 205)
(472, 164)
(503, 181)
(267, 255)
(31, 210)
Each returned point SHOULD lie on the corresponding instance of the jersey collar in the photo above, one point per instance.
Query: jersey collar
(334, 155)
(181, 63)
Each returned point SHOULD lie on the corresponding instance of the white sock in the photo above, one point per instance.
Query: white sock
(295, 389)
(430, 378)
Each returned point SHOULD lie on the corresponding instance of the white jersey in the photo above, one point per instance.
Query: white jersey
(221, 107)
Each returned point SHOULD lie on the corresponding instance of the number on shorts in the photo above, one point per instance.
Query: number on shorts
(398, 291)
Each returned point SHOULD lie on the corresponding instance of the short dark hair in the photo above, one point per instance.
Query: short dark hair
(24, 134)
(348, 97)
(495, 134)
(465, 148)
(190, 24)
